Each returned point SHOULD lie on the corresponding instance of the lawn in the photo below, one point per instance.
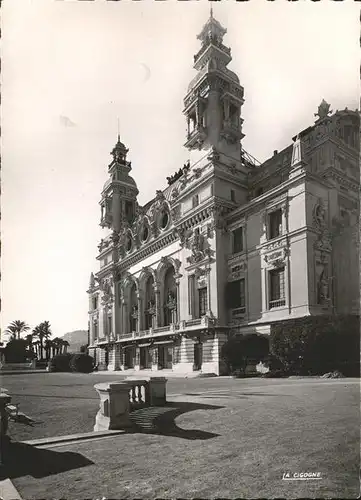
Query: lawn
(216, 439)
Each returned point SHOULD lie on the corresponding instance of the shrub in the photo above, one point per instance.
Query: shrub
(314, 345)
(239, 350)
(16, 351)
(60, 363)
(82, 363)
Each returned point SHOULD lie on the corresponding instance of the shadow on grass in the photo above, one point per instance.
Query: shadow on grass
(20, 459)
(161, 420)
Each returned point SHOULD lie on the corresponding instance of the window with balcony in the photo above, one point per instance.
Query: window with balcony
(237, 240)
(277, 296)
(202, 300)
(275, 224)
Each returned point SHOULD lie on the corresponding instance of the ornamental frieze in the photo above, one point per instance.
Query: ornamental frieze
(237, 271)
(275, 245)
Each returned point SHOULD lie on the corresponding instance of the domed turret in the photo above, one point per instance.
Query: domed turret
(119, 195)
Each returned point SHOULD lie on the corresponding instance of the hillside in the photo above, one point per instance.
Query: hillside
(76, 339)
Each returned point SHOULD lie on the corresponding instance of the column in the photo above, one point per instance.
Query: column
(157, 305)
(139, 319)
(116, 208)
(209, 305)
(101, 323)
(177, 313)
(125, 319)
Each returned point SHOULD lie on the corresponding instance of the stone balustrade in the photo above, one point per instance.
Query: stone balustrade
(18, 366)
(119, 399)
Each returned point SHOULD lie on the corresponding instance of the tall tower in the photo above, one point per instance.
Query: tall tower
(214, 99)
(119, 195)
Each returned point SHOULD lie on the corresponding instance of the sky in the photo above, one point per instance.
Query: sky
(71, 69)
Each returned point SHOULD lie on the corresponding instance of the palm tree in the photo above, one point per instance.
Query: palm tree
(56, 346)
(42, 331)
(16, 328)
(48, 345)
(65, 345)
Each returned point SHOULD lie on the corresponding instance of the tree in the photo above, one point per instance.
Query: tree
(42, 332)
(65, 344)
(48, 345)
(16, 328)
(57, 347)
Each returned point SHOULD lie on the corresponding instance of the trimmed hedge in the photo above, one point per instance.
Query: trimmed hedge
(71, 363)
(60, 363)
(314, 345)
(82, 363)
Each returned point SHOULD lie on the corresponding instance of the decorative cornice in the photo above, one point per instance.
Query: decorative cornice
(342, 179)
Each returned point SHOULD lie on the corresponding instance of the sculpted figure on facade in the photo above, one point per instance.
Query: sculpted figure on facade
(106, 287)
(323, 110)
(323, 287)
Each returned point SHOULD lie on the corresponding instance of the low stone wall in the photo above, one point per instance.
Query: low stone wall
(119, 399)
(18, 366)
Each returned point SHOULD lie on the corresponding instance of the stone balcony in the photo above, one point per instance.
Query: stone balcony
(184, 326)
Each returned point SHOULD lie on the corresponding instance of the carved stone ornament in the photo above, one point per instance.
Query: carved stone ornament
(159, 196)
(218, 220)
(106, 287)
(175, 213)
(198, 248)
(323, 110)
(324, 242)
(323, 292)
(184, 236)
(237, 271)
(175, 193)
(115, 237)
(214, 155)
(319, 214)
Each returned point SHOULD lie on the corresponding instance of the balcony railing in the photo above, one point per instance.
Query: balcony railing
(193, 322)
(277, 303)
(240, 311)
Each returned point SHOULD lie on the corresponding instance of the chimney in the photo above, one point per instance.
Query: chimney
(275, 152)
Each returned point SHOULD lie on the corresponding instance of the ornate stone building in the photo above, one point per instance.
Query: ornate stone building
(230, 245)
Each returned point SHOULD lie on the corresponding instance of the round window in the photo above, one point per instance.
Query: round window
(164, 220)
(145, 233)
(128, 244)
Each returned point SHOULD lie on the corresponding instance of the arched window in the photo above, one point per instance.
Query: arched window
(170, 296)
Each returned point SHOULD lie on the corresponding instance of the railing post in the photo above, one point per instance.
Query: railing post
(157, 391)
(114, 406)
(4, 419)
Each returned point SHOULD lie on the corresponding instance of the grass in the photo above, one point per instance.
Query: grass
(233, 440)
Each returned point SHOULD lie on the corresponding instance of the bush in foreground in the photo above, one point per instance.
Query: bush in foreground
(314, 345)
(82, 363)
(60, 363)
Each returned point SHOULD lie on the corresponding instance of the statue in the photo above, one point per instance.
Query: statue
(323, 287)
(323, 110)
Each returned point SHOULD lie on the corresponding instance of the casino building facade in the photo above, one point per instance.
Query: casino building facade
(230, 245)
